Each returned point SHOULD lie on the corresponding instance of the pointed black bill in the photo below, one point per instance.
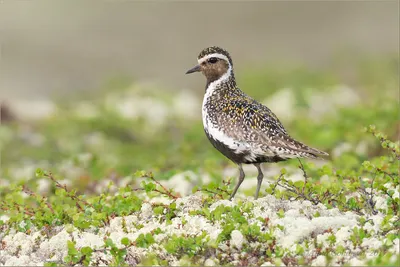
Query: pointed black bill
(194, 69)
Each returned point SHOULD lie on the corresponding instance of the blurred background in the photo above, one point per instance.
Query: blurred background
(56, 48)
(96, 90)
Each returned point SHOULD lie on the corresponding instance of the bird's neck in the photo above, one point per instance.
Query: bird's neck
(228, 78)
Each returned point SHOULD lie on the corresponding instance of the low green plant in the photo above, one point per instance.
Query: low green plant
(86, 176)
(353, 189)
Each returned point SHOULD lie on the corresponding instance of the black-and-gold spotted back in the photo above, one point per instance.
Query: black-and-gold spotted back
(257, 133)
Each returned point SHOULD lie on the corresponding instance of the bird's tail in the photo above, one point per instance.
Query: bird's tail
(309, 152)
(315, 153)
(299, 149)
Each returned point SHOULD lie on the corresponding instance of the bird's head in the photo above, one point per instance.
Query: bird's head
(213, 62)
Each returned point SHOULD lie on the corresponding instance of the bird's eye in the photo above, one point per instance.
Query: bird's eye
(213, 60)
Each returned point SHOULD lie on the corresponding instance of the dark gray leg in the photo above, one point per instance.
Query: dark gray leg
(241, 178)
(260, 177)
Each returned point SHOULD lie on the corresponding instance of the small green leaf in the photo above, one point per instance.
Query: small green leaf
(281, 213)
(125, 241)
(109, 242)
(148, 187)
(39, 173)
(86, 250)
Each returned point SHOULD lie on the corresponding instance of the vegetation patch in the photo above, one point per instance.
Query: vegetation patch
(118, 184)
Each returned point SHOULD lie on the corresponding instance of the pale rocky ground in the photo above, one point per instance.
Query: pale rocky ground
(36, 249)
(298, 224)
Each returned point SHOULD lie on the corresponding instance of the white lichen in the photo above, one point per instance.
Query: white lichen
(237, 239)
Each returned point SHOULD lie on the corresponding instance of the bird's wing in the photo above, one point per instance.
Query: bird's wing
(247, 120)
(255, 123)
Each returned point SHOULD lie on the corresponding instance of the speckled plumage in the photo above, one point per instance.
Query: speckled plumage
(242, 129)
(246, 120)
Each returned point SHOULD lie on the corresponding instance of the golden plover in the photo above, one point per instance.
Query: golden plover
(242, 129)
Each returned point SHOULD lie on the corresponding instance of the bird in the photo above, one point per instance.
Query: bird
(242, 129)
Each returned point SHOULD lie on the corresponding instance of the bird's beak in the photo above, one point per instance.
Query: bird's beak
(194, 69)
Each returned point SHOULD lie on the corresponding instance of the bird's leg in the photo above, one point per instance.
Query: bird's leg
(241, 178)
(260, 177)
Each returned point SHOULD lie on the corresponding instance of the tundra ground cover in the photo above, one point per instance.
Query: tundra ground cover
(128, 177)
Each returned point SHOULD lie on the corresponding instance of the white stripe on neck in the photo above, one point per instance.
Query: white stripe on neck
(211, 89)
(212, 129)
(213, 85)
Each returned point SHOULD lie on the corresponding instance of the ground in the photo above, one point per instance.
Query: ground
(128, 177)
